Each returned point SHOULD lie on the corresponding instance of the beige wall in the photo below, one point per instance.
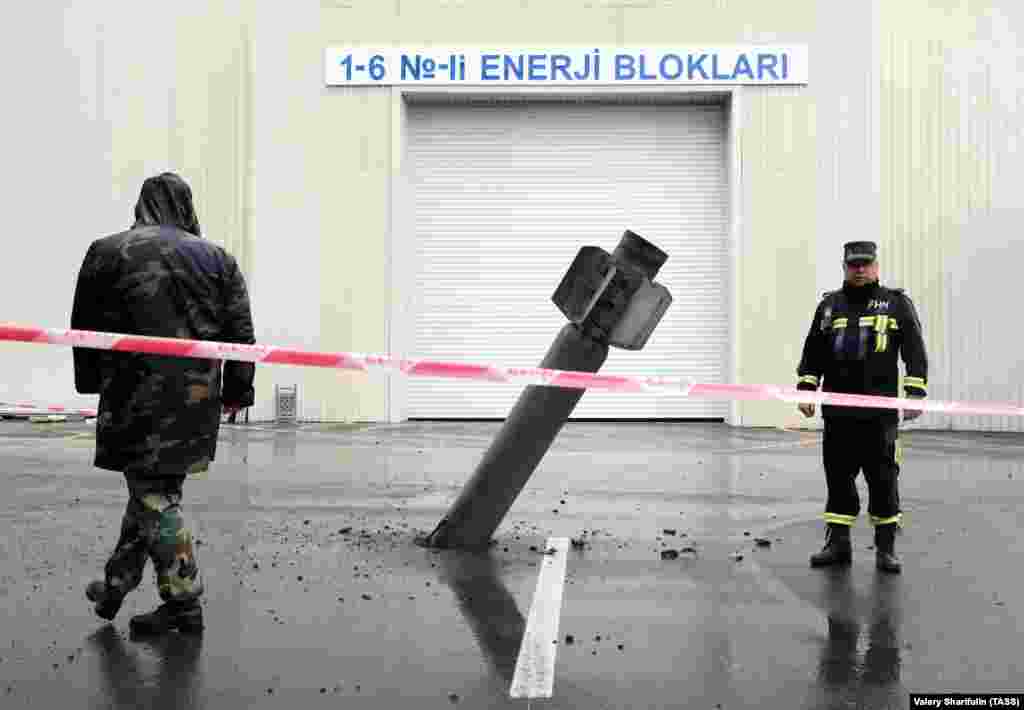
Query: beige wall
(952, 131)
(907, 132)
(326, 182)
(98, 96)
(343, 184)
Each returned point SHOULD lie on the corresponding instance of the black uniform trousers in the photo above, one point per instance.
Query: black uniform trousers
(851, 445)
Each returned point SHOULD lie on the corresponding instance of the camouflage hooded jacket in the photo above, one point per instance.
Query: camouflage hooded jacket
(160, 416)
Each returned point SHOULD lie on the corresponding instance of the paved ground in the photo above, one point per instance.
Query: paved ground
(318, 597)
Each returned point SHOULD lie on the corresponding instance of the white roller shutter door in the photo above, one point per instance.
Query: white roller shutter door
(504, 194)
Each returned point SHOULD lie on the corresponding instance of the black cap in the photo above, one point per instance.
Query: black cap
(860, 251)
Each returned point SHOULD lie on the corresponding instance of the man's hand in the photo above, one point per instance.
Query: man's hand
(910, 415)
(807, 408)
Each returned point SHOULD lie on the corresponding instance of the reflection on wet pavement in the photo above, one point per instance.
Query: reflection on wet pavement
(488, 607)
(862, 654)
(319, 598)
(161, 673)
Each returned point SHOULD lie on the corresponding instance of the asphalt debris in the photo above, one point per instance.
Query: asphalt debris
(670, 554)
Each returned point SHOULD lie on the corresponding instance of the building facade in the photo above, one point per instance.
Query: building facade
(437, 221)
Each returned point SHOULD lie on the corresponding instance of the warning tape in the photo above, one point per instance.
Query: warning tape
(685, 387)
(28, 408)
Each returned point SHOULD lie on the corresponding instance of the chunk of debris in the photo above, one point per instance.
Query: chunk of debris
(689, 549)
(670, 554)
(669, 531)
(762, 542)
(570, 639)
(577, 542)
(736, 556)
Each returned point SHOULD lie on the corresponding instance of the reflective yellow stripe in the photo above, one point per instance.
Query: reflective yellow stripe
(898, 519)
(867, 320)
(840, 519)
(899, 452)
(881, 322)
(893, 325)
(916, 383)
(810, 379)
(839, 323)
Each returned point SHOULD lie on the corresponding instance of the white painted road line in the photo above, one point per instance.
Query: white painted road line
(535, 667)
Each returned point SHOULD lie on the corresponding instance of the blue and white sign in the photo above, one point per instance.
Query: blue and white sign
(755, 64)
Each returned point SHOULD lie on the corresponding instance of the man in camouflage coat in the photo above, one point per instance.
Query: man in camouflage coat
(159, 416)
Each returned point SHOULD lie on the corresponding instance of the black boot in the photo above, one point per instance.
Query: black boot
(837, 547)
(107, 603)
(885, 543)
(184, 616)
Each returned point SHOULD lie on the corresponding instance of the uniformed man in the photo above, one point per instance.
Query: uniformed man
(158, 416)
(857, 335)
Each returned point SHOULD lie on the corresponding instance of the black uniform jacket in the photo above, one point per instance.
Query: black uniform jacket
(854, 344)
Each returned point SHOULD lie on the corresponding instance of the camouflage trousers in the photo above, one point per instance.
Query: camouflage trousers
(154, 528)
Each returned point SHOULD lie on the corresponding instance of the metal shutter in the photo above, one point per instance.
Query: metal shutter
(505, 193)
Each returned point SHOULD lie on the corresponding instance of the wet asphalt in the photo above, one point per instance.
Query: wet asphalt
(688, 586)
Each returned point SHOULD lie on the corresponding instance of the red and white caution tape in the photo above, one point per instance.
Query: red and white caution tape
(685, 387)
(28, 408)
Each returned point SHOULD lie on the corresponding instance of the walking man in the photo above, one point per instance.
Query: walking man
(856, 337)
(159, 416)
